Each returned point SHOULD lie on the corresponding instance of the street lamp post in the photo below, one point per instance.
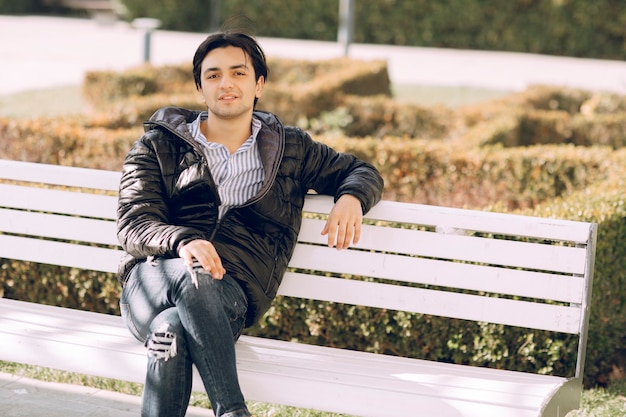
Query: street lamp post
(147, 25)
(346, 24)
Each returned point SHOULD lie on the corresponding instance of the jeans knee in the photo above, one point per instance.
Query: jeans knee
(164, 337)
(162, 344)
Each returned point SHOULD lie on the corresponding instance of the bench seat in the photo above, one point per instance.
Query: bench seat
(98, 344)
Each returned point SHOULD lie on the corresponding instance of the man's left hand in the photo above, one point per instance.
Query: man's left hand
(343, 226)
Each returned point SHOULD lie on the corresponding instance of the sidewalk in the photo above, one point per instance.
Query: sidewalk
(24, 397)
(44, 52)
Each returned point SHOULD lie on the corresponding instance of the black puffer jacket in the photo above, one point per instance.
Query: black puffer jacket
(167, 198)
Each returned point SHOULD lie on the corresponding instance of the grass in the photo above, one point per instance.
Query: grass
(453, 97)
(68, 99)
(603, 402)
(51, 102)
(597, 402)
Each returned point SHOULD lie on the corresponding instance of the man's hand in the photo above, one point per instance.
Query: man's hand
(204, 252)
(343, 226)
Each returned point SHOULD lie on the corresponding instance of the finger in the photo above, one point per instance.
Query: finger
(218, 272)
(329, 231)
(351, 236)
(343, 236)
(206, 255)
(357, 233)
(332, 235)
(214, 267)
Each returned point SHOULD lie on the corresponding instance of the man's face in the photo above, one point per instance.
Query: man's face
(227, 83)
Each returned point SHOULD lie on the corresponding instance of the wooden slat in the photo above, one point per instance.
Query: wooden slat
(71, 340)
(58, 227)
(362, 379)
(58, 201)
(418, 300)
(401, 268)
(59, 175)
(59, 253)
(563, 259)
(515, 282)
(488, 222)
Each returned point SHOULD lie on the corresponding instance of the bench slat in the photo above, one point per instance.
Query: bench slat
(59, 253)
(447, 304)
(465, 248)
(59, 175)
(91, 343)
(58, 227)
(516, 254)
(64, 227)
(58, 201)
(488, 222)
(516, 282)
(549, 317)
(442, 389)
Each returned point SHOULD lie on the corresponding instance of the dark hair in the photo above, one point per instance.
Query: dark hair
(236, 39)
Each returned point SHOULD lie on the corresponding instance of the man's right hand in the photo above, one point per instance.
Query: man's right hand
(204, 252)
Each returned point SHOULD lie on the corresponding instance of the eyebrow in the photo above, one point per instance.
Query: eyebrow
(238, 66)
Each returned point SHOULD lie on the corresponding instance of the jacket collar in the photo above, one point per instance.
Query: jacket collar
(271, 138)
(175, 120)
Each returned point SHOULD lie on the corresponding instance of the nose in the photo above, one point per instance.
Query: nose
(226, 82)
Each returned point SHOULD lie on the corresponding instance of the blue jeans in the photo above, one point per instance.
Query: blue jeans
(180, 325)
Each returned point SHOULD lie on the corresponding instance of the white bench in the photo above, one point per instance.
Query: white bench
(543, 266)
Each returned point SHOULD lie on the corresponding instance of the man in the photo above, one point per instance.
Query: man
(209, 211)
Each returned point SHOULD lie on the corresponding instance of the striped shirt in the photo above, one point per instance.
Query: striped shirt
(238, 176)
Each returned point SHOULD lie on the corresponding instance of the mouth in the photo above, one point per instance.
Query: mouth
(227, 97)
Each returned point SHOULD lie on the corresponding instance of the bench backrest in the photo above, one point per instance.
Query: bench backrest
(416, 258)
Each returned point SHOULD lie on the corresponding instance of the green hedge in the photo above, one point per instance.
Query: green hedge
(60, 286)
(416, 170)
(573, 27)
(581, 28)
(25, 6)
(605, 203)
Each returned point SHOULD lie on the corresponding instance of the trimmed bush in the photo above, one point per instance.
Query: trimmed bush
(298, 89)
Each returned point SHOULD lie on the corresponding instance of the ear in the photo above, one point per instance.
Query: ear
(200, 94)
(259, 86)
